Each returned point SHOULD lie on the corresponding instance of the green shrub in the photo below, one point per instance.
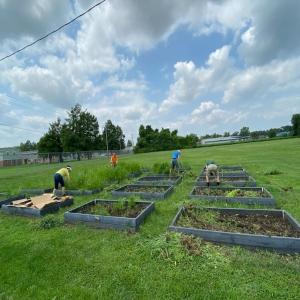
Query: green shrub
(273, 172)
(161, 168)
(50, 222)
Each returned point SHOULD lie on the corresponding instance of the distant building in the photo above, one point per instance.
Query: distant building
(220, 140)
(14, 157)
(284, 133)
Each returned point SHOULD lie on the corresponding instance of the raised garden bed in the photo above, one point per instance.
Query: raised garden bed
(110, 214)
(67, 192)
(271, 229)
(232, 168)
(35, 206)
(230, 181)
(8, 199)
(245, 195)
(159, 179)
(230, 173)
(144, 191)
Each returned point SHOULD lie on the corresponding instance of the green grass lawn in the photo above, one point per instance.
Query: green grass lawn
(77, 262)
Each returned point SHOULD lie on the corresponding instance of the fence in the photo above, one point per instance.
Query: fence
(23, 158)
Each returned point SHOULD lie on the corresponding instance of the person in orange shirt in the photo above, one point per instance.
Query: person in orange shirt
(114, 160)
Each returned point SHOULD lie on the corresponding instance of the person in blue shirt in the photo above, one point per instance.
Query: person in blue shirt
(174, 163)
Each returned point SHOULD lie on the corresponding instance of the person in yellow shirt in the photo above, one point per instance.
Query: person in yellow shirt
(59, 179)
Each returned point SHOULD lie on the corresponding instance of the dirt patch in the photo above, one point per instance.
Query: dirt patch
(230, 192)
(118, 209)
(252, 224)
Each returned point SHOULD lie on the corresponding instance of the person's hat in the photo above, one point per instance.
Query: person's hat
(69, 168)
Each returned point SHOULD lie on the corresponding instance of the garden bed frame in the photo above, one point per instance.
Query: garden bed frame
(159, 179)
(278, 243)
(145, 195)
(234, 168)
(237, 182)
(267, 201)
(12, 198)
(67, 192)
(74, 216)
(29, 211)
(239, 173)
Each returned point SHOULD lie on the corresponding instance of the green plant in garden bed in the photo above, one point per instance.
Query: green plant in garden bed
(124, 207)
(253, 224)
(230, 192)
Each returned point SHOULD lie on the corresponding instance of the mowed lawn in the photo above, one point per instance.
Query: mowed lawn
(77, 262)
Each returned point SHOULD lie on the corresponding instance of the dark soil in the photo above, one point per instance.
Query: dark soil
(252, 224)
(145, 189)
(235, 192)
(114, 209)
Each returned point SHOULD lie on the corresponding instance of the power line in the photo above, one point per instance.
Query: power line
(52, 32)
(27, 129)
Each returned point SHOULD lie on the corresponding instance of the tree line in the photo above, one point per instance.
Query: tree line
(150, 140)
(79, 132)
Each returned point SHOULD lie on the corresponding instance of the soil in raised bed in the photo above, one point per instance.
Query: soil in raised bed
(117, 209)
(251, 224)
(230, 192)
(145, 189)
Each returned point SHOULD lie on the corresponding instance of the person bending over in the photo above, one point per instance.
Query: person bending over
(212, 171)
(59, 179)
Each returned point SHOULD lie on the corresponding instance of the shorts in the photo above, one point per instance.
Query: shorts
(211, 170)
(174, 164)
(58, 179)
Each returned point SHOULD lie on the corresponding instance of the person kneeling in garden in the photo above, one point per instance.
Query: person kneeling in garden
(211, 170)
(114, 160)
(175, 161)
(59, 179)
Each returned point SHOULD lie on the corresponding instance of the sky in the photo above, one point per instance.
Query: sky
(196, 66)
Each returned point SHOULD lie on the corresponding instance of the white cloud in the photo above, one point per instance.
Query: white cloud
(192, 82)
(261, 83)
(210, 113)
(32, 17)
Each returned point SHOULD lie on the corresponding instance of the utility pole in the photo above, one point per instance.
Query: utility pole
(106, 143)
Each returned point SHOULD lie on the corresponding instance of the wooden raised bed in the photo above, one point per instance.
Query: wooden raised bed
(219, 194)
(144, 191)
(82, 214)
(281, 242)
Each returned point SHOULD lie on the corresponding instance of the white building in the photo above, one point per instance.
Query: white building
(222, 139)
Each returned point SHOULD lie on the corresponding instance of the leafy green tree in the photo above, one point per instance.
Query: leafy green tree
(81, 131)
(226, 134)
(28, 146)
(236, 133)
(51, 141)
(244, 131)
(115, 136)
(296, 124)
(129, 143)
(272, 132)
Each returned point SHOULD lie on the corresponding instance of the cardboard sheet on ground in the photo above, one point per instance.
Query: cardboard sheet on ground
(39, 202)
